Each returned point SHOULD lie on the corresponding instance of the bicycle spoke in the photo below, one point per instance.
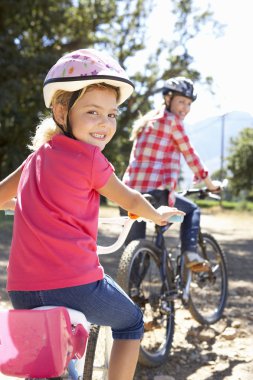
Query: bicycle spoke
(208, 291)
(144, 283)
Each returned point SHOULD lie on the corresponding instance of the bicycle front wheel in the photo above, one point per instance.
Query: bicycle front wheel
(209, 290)
(140, 276)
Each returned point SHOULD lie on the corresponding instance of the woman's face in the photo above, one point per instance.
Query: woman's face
(179, 105)
(93, 117)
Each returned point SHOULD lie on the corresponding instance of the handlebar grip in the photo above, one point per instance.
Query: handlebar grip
(9, 212)
(172, 219)
(176, 219)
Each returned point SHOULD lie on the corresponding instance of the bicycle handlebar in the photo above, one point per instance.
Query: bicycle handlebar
(204, 192)
(125, 222)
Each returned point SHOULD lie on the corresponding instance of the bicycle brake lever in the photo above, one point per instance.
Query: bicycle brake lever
(9, 212)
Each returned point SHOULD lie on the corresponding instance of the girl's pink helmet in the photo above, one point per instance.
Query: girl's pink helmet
(82, 68)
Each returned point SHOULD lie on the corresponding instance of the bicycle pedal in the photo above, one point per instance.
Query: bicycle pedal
(173, 294)
(165, 309)
(134, 292)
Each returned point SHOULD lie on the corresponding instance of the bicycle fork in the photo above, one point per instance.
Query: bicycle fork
(178, 283)
(186, 288)
(166, 306)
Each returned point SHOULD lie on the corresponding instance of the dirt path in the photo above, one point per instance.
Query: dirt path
(222, 352)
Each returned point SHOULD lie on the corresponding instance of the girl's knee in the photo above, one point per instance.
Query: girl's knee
(133, 330)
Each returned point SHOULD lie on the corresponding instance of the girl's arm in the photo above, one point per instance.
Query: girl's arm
(8, 189)
(132, 201)
(9, 205)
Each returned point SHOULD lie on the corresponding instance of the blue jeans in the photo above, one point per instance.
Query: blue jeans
(189, 228)
(102, 302)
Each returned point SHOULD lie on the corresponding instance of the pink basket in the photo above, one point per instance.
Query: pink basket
(39, 343)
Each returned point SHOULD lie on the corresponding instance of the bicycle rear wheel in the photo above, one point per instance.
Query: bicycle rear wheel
(140, 276)
(98, 353)
(209, 290)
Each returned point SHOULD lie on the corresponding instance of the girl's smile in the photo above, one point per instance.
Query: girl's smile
(180, 106)
(93, 117)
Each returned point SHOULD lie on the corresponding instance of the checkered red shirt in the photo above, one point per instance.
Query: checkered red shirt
(155, 157)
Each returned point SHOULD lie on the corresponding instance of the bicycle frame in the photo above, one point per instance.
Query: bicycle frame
(125, 223)
(173, 276)
(177, 281)
(73, 339)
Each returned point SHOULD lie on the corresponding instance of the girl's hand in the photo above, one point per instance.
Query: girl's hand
(165, 213)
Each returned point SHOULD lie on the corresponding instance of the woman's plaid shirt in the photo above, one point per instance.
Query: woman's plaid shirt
(155, 157)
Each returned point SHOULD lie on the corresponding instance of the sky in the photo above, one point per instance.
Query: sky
(228, 59)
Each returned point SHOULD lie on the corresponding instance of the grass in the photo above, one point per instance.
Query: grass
(226, 205)
(6, 220)
(111, 210)
(203, 204)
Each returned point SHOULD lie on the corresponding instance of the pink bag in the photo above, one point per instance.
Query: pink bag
(39, 343)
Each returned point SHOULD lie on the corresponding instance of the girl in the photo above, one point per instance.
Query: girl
(159, 140)
(53, 259)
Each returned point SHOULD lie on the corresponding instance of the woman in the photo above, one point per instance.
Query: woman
(159, 141)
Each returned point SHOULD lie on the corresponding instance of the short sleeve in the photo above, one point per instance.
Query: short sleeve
(102, 169)
(28, 159)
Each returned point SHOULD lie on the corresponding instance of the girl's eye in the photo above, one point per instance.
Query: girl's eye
(93, 112)
(113, 115)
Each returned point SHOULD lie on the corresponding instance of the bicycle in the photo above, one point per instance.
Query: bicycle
(154, 275)
(60, 337)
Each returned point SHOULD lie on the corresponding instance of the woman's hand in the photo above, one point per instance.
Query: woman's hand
(213, 186)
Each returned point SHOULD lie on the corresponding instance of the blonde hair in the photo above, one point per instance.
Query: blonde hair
(48, 128)
(144, 120)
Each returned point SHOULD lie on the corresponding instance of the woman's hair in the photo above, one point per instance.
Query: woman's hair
(143, 121)
(48, 127)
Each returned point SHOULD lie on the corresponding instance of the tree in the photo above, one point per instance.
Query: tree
(34, 34)
(240, 162)
(189, 20)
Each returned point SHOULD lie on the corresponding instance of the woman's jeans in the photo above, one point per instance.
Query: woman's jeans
(189, 227)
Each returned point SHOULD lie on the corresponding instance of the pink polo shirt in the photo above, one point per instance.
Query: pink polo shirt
(56, 217)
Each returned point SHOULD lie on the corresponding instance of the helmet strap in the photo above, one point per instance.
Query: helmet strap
(72, 101)
(66, 133)
(69, 132)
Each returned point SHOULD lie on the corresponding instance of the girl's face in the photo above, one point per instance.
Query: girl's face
(93, 117)
(179, 105)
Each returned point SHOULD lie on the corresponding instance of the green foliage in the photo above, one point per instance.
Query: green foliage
(240, 162)
(226, 205)
(35, 33)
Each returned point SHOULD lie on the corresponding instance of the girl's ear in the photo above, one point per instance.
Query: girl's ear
(59, 112)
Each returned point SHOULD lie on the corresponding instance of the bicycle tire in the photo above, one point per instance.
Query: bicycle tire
(146, 288)
(90, 352)
(209, 290)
